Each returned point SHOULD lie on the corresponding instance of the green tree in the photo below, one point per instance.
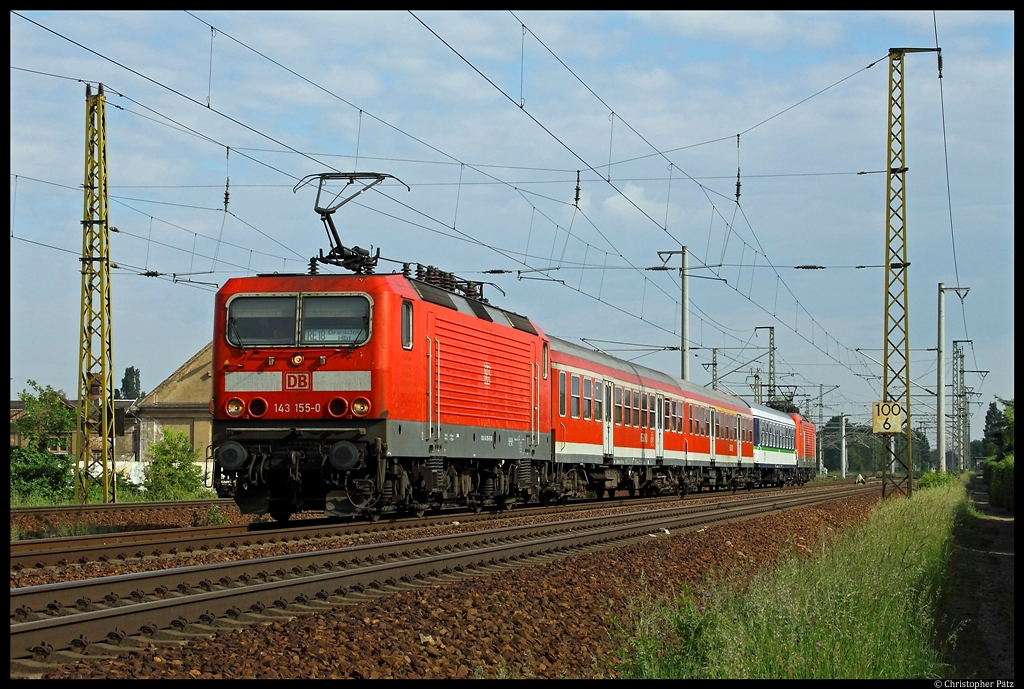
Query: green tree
(995, 424)
(131, 385)
(46, 425)
(1008, 428)
(172, 473)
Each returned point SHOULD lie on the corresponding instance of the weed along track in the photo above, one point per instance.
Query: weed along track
(145, 615)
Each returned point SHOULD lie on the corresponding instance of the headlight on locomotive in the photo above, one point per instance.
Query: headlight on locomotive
(234, 407)
(231, 455)
(360, 406)
(344, 455)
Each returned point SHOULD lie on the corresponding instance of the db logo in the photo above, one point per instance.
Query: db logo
(296, 381)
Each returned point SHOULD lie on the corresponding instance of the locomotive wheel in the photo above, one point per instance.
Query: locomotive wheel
(419, 510)
(600, 493)
(280, 516)
(611, 493)
(371, 515)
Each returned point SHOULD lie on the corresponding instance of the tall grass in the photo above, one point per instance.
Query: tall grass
(862, 607)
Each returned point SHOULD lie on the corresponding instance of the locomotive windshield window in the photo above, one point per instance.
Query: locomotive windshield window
(256, 321)
(335, 320)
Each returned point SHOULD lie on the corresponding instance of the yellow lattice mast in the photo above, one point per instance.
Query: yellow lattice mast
(95, 436)
(897, 470)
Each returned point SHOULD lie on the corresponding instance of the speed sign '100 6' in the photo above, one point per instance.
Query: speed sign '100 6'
(886, 417)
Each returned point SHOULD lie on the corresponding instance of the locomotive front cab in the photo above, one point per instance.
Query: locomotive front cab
(294, 406)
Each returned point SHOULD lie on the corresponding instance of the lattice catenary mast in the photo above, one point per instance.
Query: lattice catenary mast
(896, 359)
(95, 434)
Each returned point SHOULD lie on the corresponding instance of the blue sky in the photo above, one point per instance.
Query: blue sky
(649, 113)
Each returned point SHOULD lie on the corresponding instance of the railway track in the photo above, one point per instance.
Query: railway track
(39, 553)
(166, 606)
(100, 508)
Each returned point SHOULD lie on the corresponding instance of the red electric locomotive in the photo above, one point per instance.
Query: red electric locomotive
(367, 393)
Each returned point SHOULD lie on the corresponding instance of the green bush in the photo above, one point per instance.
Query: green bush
(931, 479)
(1000, 488)
(172, 473)
(40, 474)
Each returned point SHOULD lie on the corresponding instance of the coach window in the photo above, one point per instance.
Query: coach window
(587, 397)
(561, 393)
(627, 405)
(574, 407)
(643, 410)
(598, 400)
(618, 406)
(407, 325)
(636, 407)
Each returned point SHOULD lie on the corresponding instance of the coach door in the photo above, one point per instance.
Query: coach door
(659, 429)
(712, 432)
(607, 425)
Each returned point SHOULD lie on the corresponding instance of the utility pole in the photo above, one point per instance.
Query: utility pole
(940, 384)
(684, 334)
(95, 433)
(771, 360)
(896, 330)
(940, 388)
(842, 445)
(714, 368)
(960, 444)
(821, 425)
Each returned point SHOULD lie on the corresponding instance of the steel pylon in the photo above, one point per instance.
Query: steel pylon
(94, 461)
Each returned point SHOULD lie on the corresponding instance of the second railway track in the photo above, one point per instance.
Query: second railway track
(48, 552)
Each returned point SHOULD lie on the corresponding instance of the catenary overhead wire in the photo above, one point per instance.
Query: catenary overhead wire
(232, 119)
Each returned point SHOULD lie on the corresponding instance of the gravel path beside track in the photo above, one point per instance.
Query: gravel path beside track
(551, 621)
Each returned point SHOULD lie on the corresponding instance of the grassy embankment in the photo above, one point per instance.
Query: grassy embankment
(863, 606)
